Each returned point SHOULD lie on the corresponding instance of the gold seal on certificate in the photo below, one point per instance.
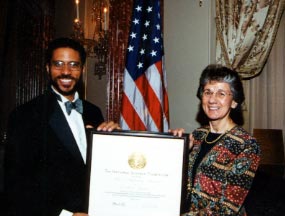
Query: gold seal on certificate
(137, 160)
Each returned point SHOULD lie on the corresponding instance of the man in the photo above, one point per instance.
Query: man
(45, 159)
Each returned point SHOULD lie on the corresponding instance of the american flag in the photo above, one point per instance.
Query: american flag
(144, 99)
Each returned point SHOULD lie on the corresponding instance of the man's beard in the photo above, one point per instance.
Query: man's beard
(66, 93)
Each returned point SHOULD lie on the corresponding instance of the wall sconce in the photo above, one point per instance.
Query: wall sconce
(200, 3)
(97, 47)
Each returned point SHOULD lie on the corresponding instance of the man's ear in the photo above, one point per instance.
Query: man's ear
(47, 68)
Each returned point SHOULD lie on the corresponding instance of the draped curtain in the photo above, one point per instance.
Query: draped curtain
(26, 27)
(251, 40)
(120, 17)
(266, 99)
(245, 33)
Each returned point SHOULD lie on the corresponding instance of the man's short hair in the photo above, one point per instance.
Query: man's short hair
(63, 43)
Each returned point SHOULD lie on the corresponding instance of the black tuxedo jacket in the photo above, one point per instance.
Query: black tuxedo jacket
(44, 170)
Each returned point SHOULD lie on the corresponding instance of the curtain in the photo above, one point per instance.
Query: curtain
(251, 40)
(25, 29)
(245, 33)
(266, 98)
(120, 17)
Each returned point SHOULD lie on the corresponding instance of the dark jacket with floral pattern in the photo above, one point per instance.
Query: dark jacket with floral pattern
(225, 174)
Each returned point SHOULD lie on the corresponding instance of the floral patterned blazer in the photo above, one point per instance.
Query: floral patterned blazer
(225, 175)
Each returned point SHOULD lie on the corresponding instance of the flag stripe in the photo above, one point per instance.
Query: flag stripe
(159, 66)
(135, 111)
(150, 100)
(150, 86)
(130, 118)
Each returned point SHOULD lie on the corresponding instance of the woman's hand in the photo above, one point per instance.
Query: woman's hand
(177, 131)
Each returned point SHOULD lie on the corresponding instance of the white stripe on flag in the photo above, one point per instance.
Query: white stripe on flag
(123, 123)
(154, 79)
(136, 99)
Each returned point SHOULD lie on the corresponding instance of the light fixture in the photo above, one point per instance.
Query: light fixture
(200, 3)
(97, 46)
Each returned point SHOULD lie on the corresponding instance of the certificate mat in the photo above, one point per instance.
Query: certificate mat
(135, 174)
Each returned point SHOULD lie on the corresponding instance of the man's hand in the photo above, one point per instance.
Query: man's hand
(108, 126)
(80, 214)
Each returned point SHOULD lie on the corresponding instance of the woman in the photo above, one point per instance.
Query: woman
(223, 157)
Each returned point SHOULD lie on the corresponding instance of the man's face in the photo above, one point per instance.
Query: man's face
(65, 71)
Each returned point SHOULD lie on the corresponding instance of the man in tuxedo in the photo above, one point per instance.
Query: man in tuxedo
(45, 161)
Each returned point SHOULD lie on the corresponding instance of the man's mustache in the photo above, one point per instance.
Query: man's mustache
(65, 77)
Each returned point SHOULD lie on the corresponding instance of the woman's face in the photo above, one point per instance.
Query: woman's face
(217, 100)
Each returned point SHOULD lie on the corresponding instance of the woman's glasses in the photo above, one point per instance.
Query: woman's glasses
(218, 94)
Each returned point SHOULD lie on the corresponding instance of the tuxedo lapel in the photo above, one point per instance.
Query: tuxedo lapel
(85, 114)
(60, 126)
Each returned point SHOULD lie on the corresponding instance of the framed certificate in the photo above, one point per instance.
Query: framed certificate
(136, 173)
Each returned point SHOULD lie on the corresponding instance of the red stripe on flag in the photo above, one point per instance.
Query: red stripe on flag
(165, 95)
(130, 115)
(151, 101)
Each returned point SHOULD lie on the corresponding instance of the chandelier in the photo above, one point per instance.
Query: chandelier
(97, 46)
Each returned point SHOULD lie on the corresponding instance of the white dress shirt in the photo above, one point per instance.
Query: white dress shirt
(76, 125)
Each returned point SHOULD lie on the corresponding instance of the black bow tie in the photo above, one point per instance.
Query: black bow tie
(77, 105)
